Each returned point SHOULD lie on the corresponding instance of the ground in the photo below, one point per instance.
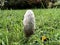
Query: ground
(47, 24)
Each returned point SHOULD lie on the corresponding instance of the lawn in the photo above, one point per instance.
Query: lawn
(47, 24)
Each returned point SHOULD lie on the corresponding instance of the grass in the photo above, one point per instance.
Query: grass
(47, 24)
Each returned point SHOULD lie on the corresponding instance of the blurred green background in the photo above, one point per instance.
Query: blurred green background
(47, 24)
